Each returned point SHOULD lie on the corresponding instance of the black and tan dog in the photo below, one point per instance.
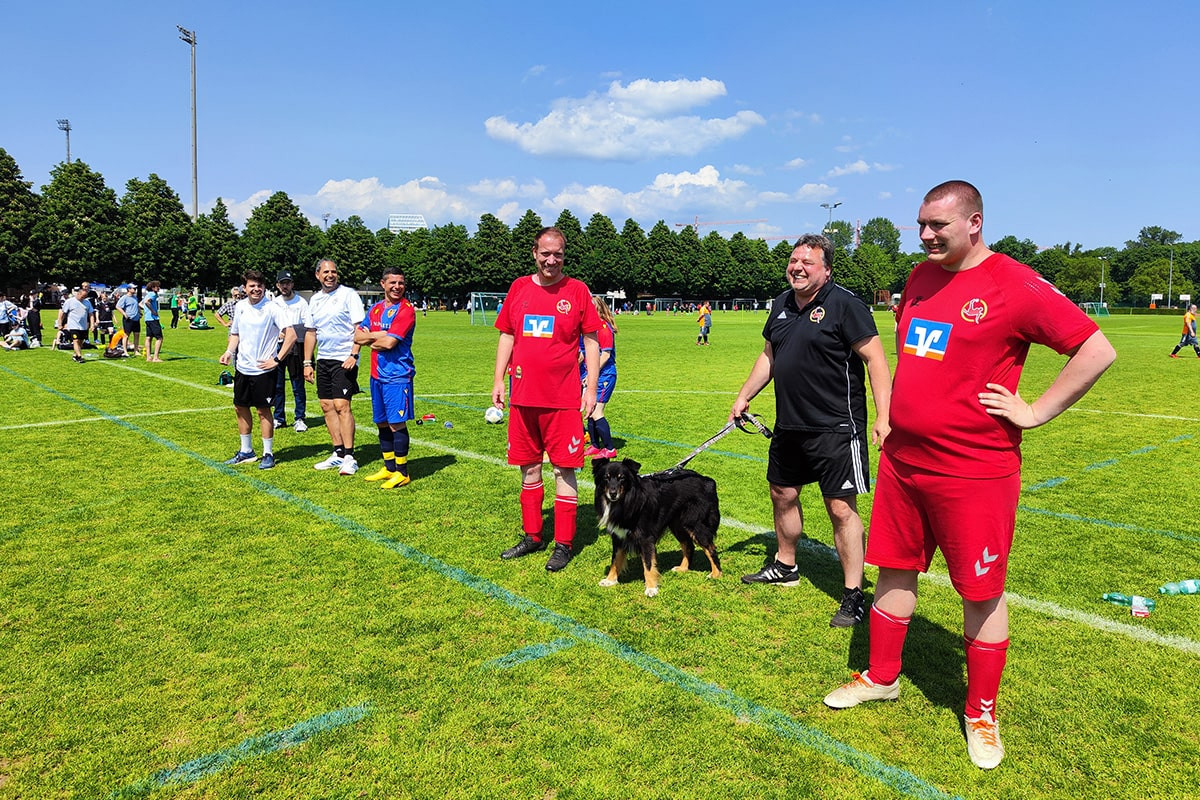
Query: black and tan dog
(636, 510)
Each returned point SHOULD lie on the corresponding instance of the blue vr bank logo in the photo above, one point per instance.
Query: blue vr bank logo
(927, 339)
(537, 326)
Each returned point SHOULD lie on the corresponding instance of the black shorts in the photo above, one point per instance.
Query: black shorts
(838, 462)
(153, 329)
(77, 336)
(254, 391)
(131, 326)
(334, 382)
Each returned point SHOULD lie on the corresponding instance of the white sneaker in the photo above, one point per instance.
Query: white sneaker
(333, 462)
(860, 690)
(300, 427)
(983, 741)
(349, 466)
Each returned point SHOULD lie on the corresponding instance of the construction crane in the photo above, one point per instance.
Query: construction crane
(695, 225)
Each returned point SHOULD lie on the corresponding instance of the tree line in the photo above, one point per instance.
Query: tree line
(77, 228)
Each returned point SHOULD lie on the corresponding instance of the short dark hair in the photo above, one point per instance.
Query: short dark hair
(393, 271)
(549, 229)
(966, 194)
(820, 242)
(254, 275)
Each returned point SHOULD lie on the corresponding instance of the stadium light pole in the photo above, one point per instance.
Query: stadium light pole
(325, 217)
(1171, 276)
(190, 38)
(64, 125)
(829, 226)
(1102, 260)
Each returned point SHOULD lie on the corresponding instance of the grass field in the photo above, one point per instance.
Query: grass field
(172, 627)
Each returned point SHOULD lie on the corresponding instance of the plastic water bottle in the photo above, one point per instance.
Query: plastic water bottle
(1118, 599)
(1190, 586)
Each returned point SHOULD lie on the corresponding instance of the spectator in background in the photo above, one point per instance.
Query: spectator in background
(131, 316)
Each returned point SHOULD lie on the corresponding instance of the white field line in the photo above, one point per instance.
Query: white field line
(221, 390)
(52, 423)
(1054, 610)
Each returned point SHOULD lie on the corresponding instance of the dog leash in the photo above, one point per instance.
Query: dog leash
(746, 423)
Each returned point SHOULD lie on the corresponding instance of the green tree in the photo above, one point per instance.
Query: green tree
(881, 232)
(1078, 278)
(278, 237)
(420, 276)
(606, 261)
(717, 273)
(492, 253)
(691, 281)
(1151, 235)
(1022, 250)
(78, 229)
(357, 252)
(1156, 277)
(1050, 264)
(662, 274)
(157, 230)
(902, 267)
(745, 275)
(842, 233)
(216, 250)
(780, 255)
(633, 238)
(523, 234)
(872, 269)
(19, 265)
(451, 253)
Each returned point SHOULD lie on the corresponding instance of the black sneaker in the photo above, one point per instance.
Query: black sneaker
(524, 547)
(78, 359)
(560, 557)
(775, 573)
(851, 612)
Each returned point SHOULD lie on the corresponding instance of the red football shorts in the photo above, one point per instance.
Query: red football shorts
(970, 519)
(556, 431)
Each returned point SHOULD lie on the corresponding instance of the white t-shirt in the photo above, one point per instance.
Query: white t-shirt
(257, 328)
(335, 315)
(295, 314)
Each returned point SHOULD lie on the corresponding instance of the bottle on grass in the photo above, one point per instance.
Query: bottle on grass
(1190, 586)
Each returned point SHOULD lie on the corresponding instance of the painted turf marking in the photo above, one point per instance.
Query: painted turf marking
(531, 653)
(226, 391)
(54, 423)
(780, 723)
(1050, 483)
(270, 742)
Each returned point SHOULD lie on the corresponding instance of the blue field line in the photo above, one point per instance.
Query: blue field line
(1050, 483)
(776, 721)
(531, 653)
(204, 766)
(1108, 523)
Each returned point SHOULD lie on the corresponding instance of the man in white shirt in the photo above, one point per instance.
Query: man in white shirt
(337, 311)
(76, 319)
(254, 342)
(291, 362)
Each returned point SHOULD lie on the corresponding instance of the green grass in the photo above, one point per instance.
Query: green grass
(170, 627)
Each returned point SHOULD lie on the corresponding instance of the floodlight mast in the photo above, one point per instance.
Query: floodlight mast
(64, 125)
(190, 38)
(829, 226)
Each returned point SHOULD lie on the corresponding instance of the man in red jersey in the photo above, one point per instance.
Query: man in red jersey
(543, 317)
(949, 475)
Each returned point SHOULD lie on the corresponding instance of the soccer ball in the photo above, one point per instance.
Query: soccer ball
(493, 415)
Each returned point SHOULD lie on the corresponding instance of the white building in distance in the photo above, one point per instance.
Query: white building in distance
(406, 222)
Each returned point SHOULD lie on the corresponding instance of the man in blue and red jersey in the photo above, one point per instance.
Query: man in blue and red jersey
(543, 317)
(950, 473)
(388, 332)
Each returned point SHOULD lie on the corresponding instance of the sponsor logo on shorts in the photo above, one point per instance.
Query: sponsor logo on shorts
(983, 565)
(927, 339)
(538, 326)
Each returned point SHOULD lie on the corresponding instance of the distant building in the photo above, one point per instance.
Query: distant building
(406, 222)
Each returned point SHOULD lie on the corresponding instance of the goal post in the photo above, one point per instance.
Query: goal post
(484, 305)
(666, 303)
(1095, 309)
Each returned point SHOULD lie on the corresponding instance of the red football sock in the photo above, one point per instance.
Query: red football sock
(564, 518)
(531, 508)
(985, 665)
(887, 645)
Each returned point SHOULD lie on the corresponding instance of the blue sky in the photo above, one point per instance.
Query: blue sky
(1078, 121)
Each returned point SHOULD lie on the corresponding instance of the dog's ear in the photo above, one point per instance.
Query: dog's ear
(598, 465)
(633, 465)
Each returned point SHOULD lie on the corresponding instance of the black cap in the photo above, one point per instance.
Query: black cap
(284, 275)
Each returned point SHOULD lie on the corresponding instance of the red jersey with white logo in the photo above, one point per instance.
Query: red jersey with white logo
(957, 332)
(545, 323)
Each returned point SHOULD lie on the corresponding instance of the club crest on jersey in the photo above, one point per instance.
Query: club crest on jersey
(538, 326)
(517, 373)
(927, 339)
(564, 306)
(974, 310)
(817, 314)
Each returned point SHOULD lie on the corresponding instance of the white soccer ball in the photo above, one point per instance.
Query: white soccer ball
(493, 415)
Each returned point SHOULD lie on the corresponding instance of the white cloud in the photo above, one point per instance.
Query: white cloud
(240, 210)
(745, 169)
(885, 195)
(627, 123)
(810, 192)
(533, 72)
(506, 188)
(883, 167)
(859, 167)
(774, 197)
(668, 193)
(796, 163)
